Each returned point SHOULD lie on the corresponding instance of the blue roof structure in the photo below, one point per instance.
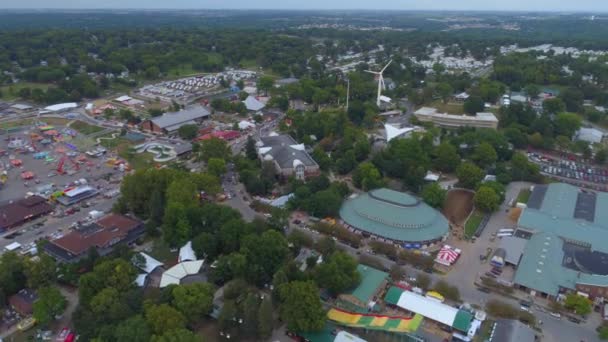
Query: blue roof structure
(566, 215)
(394, 215)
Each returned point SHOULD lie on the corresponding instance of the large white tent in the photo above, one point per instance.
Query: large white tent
(428, 308)
(175, 274)
(393, 132)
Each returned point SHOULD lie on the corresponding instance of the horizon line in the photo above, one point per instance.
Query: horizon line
(573, 11)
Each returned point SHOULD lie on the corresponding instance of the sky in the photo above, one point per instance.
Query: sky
(483, 5)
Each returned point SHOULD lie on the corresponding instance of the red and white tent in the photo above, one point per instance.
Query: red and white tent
(447, 255)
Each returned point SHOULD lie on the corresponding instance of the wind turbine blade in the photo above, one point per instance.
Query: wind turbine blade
(382, 82)
(372, 72)
(386, 66)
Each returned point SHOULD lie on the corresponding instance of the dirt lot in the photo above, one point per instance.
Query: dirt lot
(458, 204)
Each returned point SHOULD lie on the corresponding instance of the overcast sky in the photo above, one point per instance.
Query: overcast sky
(518, 5)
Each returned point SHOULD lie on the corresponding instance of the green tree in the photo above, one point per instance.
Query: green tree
(12, 277)
(216, 166)
(133, 329)
(193, 300)
(154, 112)
(448, 291)
(338, 274)
(485, 155)
(423, 281)
(41, 271)
(433, 195)
(367, 177)
(579, 304)
(473, 105)
(601, 156)
(554, 106)
(214, 148)
(177, 335)
(265, 83)
(486, 199)
(444, 90)
(301, 306)
(567, 123)
(469, 175)
(250, 310)
(50, 303)
(163, 318)
(250, 150)
(532, 90)
(265, 254)
(447, 157)
(602, 331)
(536, 140)
(109, 305)
(188, 132)
(265, 318)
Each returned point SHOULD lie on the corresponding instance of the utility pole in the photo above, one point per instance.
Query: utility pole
(347, 92)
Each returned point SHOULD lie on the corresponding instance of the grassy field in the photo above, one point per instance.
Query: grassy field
(450, 107)
(523, 196)
(472, 223)
(85, 128)
(16, 123)
(136, 160)
(11, 92)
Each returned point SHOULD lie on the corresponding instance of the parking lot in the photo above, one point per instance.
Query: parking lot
(571, 171)
(30, 164)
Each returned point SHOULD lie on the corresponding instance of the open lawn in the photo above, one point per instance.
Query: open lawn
(85, 128)
(450, 107)
(11, 92)
(523, 196)
(136, 160)
(111, 143)
(472, 223)
(16, 123)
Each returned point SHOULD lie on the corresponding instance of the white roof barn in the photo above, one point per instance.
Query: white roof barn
(590, 135)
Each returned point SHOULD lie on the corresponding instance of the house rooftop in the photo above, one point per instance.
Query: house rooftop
(284, 150)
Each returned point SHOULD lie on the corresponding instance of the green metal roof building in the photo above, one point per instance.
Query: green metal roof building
(371, 280)
(568, 247)
(394, 216)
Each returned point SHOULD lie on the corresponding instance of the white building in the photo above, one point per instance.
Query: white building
(590, 135)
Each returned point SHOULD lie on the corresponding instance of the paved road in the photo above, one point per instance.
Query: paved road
(468, 266)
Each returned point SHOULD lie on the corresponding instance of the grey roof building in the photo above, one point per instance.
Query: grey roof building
(170, 122)
(510, 330)
(289, 157)
(394, 216)
(566, 250)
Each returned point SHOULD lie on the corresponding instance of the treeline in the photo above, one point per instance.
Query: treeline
(148, 53)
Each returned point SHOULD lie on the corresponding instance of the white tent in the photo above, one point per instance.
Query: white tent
(13, 246)
(253, 104)
(151, 263)
(428, 308)
(175, 274)
(393, 132)
(61, 106)
(141, 279)
(243, 125)
(186, 253)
